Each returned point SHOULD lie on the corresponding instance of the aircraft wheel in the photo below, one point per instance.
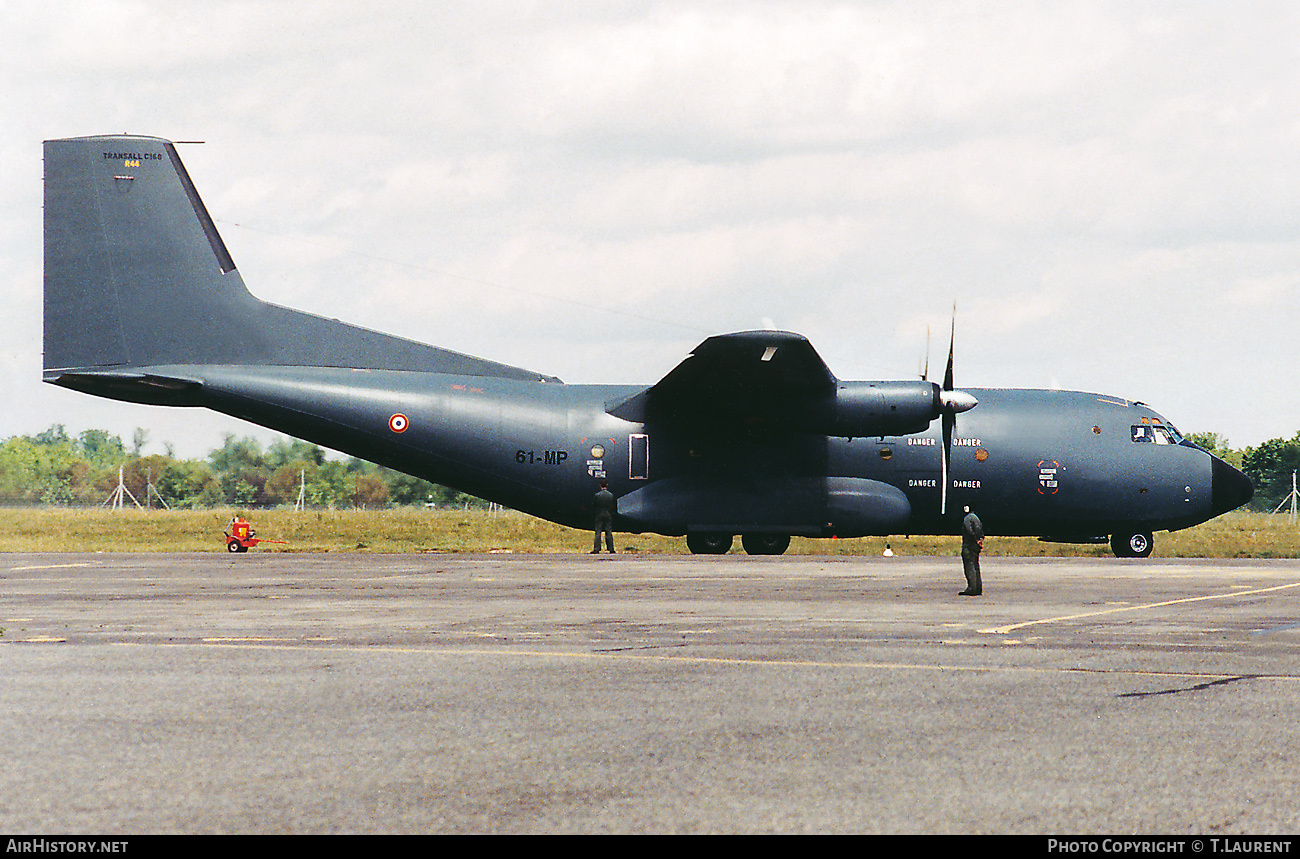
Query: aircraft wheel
(1136, 545)
(709, 544)
(765, 544)
(233, 546)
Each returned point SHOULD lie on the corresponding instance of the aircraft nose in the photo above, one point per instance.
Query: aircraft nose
(1229, 488)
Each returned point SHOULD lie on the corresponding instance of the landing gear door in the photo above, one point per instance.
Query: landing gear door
(638, 451)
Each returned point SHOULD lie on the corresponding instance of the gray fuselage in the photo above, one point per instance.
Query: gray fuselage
(1060, 464)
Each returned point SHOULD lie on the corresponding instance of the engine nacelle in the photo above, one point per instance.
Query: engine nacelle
(862, 409)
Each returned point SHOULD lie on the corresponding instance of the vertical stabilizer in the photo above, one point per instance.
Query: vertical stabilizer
(136, 275)
(135, 271)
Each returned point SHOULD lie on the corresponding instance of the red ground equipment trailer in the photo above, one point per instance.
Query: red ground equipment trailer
(241, 536)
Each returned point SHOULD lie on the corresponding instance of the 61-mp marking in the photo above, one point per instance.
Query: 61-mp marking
(548, 457)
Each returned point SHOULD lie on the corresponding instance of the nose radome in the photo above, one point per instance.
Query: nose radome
(1229, 488)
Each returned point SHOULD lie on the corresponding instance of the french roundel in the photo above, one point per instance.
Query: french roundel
(398, 423)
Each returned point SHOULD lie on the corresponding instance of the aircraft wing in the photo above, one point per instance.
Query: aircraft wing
(750, 375)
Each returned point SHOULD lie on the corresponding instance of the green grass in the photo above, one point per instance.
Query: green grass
(1236, 535)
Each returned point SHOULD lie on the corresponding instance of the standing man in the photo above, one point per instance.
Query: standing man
(972, 541)
(606, 505)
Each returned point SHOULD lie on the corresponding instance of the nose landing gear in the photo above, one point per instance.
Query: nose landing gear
(1137, 544)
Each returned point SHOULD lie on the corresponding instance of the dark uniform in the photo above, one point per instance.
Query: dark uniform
(606, 506)
(972, 541)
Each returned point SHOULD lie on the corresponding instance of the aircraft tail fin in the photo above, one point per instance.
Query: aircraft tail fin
(136, 275)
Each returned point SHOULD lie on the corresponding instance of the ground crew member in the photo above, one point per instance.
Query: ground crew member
(972, 541)
(606, 506)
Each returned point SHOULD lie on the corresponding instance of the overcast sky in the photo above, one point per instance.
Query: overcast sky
(1109, 192)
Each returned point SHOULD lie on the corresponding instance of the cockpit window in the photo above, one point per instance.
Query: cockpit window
(1154, 434)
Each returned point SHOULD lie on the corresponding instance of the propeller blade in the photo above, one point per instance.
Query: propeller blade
(925, 374)
(952, 340)
(949, 423)
(953, 401)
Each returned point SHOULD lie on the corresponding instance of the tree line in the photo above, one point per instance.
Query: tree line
(53, 467)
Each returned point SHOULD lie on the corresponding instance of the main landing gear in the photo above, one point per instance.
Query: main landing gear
(765, 544)
(720, 544)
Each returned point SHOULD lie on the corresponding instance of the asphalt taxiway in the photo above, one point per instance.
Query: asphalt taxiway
(296, 693)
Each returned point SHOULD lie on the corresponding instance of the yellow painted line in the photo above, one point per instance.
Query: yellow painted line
(218, 640)
(306, 644)
(1003, 630)
(51, 567)
(775, 663)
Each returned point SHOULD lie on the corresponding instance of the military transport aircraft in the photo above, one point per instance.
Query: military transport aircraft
(750, 435)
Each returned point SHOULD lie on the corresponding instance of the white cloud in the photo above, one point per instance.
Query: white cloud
(589, 190)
